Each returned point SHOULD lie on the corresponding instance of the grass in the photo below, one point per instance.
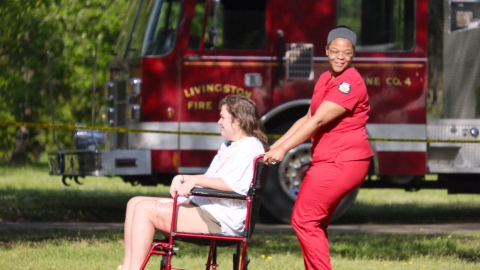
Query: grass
(396, 206)
(57, 249)
(30, 194)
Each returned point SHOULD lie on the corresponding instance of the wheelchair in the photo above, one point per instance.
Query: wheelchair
(166, 248)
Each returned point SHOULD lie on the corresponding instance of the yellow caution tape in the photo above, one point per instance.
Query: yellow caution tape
(136, 130)
(105, 129)
(422, 140)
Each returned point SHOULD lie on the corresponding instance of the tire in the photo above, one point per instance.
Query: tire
(284, 183)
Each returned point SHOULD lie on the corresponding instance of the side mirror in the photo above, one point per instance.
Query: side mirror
(213, 33)
(213, 36)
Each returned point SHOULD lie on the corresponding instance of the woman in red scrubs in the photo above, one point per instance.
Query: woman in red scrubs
(341, 152)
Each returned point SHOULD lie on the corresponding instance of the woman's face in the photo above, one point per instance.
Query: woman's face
(230, 130)
(340, 53)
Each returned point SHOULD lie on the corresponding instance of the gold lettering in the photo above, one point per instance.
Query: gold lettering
(368, 80)
(226, 88)
(372, 81)
(232, 89)
(393, 81)
(199, 105)
(191, 104)
(389, 81)
(187, 95)
(210, 88)
(197, 89)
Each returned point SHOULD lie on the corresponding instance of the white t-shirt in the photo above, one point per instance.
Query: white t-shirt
(234, 164)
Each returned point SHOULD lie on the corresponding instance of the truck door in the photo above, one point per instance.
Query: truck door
(227, 54)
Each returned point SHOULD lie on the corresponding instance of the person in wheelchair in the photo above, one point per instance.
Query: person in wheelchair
(230, 170)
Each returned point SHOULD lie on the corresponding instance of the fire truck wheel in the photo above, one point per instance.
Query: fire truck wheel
(284, 183)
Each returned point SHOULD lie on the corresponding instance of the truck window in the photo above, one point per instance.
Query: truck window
(239, 25)
(133, 31)
(197, 23)
(464, 15)
(381, 25)
(162, 28)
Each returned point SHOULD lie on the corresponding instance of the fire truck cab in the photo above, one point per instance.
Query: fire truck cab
(176, 59)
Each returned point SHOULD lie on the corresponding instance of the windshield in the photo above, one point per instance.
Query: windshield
(237, 25)
(381, 25)
(162, 28)
(150, 28)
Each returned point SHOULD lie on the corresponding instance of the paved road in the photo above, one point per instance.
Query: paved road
(383, 228)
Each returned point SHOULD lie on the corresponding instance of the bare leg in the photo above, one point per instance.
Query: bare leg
(149, 215)
(128, 224)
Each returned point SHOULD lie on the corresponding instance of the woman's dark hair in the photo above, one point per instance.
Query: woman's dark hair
(245, 111)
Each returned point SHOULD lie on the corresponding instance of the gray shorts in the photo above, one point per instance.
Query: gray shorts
(213, 224)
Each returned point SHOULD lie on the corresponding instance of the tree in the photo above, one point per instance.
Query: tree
(68, 31)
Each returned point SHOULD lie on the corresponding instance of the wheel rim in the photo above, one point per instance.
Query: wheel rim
(292, 169)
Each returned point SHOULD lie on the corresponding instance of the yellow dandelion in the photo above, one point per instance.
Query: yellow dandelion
(263, 256)
(410, 262)
(269, 257)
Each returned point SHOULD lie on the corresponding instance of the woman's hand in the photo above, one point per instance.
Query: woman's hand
(175, 186)
(275, 155)
(187, 186)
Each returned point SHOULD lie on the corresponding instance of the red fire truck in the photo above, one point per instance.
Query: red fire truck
(176, 59)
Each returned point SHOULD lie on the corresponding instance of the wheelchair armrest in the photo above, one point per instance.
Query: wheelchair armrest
(210, 192)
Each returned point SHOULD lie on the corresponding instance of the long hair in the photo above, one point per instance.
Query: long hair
(245, 111)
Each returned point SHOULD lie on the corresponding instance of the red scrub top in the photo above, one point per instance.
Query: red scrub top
(344, 138)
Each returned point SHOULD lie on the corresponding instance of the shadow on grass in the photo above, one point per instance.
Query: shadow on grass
(29, 195)
(12, 237)
(32, 205)
(410, 213)
(27, 165)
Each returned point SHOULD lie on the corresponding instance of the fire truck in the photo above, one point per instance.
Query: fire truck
(176, 59)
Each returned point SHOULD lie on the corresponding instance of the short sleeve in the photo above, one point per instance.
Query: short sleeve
(239, 172)
(345, 93)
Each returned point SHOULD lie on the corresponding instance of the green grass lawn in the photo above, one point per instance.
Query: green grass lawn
(83, 249)
(30, 194)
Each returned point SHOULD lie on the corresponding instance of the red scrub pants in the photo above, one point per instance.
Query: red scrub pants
(323, 188)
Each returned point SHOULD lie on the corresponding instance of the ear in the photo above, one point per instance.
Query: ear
(326, 50)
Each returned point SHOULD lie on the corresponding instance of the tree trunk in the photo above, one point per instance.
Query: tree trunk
(22, 137)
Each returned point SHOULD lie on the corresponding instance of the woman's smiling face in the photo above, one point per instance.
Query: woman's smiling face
(340, 54)
(230, 130)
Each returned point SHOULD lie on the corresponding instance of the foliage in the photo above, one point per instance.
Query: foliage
(66, 31)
